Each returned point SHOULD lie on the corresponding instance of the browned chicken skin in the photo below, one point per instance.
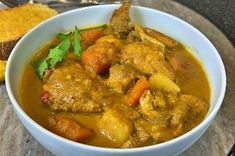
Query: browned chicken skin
(120, 20)
(71, 88)
(145, 59)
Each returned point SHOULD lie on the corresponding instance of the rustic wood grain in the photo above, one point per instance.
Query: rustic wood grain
(218, 139)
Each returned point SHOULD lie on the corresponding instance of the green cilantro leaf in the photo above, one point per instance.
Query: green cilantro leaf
(58, 53)
(43, 65)
(76, 44)
(65, 44)
(63, 36)
(55, 55)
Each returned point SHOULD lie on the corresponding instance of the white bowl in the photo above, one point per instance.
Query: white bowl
(200, 46)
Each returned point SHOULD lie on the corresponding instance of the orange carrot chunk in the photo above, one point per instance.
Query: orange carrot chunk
(92, 35)
(136, 92)
(68, 128)
(99, 57)
(96, 62)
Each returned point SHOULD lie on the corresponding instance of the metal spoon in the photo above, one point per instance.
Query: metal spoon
(61, 5)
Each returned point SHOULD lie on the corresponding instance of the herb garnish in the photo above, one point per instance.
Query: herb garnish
(76, 44)
(58, 53)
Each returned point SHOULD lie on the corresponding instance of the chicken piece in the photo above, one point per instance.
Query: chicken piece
(169, 42)
(152, 106)
(139, 139)
(115, 126)
(159, 132)
(126, 110)
(189, 108)
(146, 59)
(68, 128)
(171, 99)
(180, 114)
(71, 88)
(2, 70)
(131, 143)
(198, 107)
(133, 36)
(146, 106)
(121, 78)
(159, 100)
(120, 20)
(141, 133)
(144, 36)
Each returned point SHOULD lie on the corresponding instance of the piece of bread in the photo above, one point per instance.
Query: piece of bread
(15, 22)
(2, 70)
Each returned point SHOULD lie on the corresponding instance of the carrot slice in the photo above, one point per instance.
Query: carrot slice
(92, 35)
(96, 61)
(136, 92)
(99, 57)
(68, 128)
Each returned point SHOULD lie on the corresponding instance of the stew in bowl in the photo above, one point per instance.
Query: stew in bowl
(118, 85)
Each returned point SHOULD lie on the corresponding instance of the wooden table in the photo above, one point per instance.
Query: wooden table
(218, 139)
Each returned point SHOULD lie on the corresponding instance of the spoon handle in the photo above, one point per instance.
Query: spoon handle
(61, 5)
(64, 5)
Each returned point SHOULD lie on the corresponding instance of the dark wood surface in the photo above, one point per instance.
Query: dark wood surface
(218, 139)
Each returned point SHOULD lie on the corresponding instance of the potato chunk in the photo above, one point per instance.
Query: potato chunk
(114, 125)
(146, 106)
(162, 82)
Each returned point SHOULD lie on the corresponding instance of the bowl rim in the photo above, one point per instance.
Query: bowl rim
(208, 119)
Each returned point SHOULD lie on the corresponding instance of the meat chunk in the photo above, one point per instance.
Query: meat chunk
(180, 114)
(121, 78)
(169, 42)
(145, 37)
(159, 132)
(154, 107)
(189, 108)
(99, 57)
(146, 59)
(139, 139)
(71, 88)
(146, 106)
(126, 110)
(115, 126)
(68, 128)
(198, 107)
(120, 20)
